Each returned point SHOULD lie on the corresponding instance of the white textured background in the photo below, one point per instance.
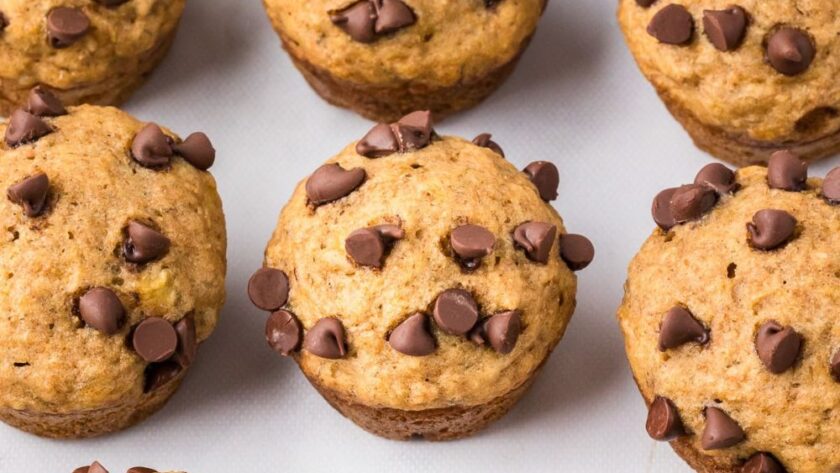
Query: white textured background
(576, 99)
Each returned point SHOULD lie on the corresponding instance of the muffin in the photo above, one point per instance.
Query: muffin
(420, 282)
(386, 58)
(112, 266)
(745, 79)
(730, 319)
(84, 51)
(97, 467)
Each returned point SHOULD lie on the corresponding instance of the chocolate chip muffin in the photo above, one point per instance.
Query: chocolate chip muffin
(730, 319)
(112, 266)
(84, 51)
(745, 79)
(420, 281)
(97, 467)
(386, 58)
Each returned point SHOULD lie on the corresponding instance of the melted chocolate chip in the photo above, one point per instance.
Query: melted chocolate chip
(414, 131)
(545, 176)
(4, 22)
(725, 28)
(155, 340)
(141, 469)
(326, 339)
(455, 311)
(790, 51)
(536, 239)
(111, 3)
(31, 193)
(392, 15)
(283, 332)
(661, 209)
(380, 141)
(692, 201)
(197, 150)
(151, 148)
(576, 251)
(680, 327)
(663, 420)
(331, 182)
(484, 140)
(471, 243)
(672, 25)
(369, 246)
(357, 20)
(268, 289)
(718, 177)
(762, 463)
(42, 103)
(413, 337)
(502, 330)
(835, 366)
(721, 431)
(101, 309)
(787, 172)
(94, 467)
(187, 342)
(66, 25)
(158, 375)
(25, 128)
(831, 186)
(645, 3)
(770, 229)
(778, 347)
(143, 243)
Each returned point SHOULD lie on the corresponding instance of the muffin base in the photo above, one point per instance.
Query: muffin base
(114, 90)
(91, 423)
(742, 151)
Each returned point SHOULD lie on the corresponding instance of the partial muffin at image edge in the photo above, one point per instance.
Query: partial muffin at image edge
(745, 78)
(420, 282)
(730, 319)
(387, 58)
(97, 467)
(83, 51)
(112, 266)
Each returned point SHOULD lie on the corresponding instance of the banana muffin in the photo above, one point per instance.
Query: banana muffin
(112, 266)
(730, 319)
(746, 78)
(420, 282)
(84, 51)
(386, 58)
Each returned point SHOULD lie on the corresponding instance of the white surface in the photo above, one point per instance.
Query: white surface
(576, 99)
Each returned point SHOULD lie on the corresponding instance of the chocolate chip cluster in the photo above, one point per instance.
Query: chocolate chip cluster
(66, 25)
(777, 347)
(97, 467)
(454, 311)
(789, 50)
(167, 348)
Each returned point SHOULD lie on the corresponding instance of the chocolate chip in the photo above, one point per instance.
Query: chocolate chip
(158, 375)
(536, 239)
(680, 327)
(187, 343)
(66, 25)
(455, 311)
(770, 229)
(25, 128)
(721, 430)
(331, 182)
(778, 347)
(672, 25)
(412, 337)
(155, 339)
(111, 3)
(197, 150)
(661, 209)
(576, 251)
(471, 243)
(391, 15)
(831, 186)
(41, 102)
(151, 147)
(762, 463)
(94, 467)
(484, 141)
(143, 243)
(380, 141)
(545, 177)
(725, 28)
(31, 193)
(645, 3)
(4, 22)
(835, 366)
(502, 330)
(101, 309)
(357, 20)
(692, 201)
(368, 246)
(283, 332)
(141, 469)
(786, 171)
(414, 131)
(663, 420)
(326, 339)
(718, 177)
(790, 51)
(268, 289)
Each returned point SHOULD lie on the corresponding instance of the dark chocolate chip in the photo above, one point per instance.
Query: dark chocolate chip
(536, 239)
(790, 51)
(787, 172)
(331, 182)
(283, 332)
(484, 140)
(268, 289)
(66, 25)
(778, 347)
(43, 103)
(326, 339)
(831, 186)
(4, 22)
(414, 131)
(725, 28)
(471, 243)
(31, 193)
(25, 128)
(187, 342)
(159, 374)
(663, 420)
(101, 309)
(141, 469)
(545, 176)
(762, 463)
(576, 251)
(718, 177)
(502, 330)
(368, 246)
(357, 20)
(391, 15)
(770, 229)
(412, 337)
(680, 327)
(835, 366)
(94, 467)
(661, 209)
(155, 340)
(144, 244)
(721, 431)
(380, 141)
(672, 25)
(197, 150)
(111, 3)
(455, 311)
(645, 3)
(692, 201)
(151, 147)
